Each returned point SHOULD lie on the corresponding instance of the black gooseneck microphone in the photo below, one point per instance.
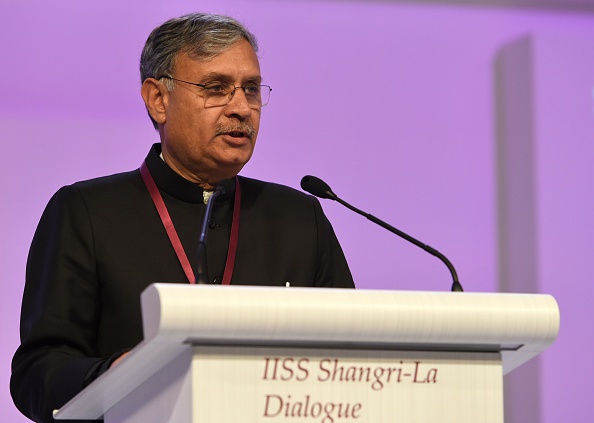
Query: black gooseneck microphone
(319, 188)
(223, 190)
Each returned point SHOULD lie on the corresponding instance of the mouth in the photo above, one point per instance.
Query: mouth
(237, 134)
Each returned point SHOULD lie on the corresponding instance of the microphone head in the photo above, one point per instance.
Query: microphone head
(315, 186)
(225, 189)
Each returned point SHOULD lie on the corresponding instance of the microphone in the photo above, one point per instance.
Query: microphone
(223, 190)
(319, 188)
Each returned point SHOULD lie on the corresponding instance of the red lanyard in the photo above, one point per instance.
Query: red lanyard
(174, 238)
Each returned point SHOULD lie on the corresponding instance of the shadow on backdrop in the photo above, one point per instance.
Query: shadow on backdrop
(516, 203)
(572, 6)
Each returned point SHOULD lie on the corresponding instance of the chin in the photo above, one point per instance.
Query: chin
(238, 160)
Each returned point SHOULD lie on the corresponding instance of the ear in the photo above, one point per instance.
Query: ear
(155, 96)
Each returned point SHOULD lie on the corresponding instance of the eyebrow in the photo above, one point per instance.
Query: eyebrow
(226, 78)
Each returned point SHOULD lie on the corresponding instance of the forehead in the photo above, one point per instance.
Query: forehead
(238, 62)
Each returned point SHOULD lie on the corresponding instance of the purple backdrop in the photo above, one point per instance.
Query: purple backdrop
(393, 104)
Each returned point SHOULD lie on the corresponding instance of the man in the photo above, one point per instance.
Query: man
(101, 242)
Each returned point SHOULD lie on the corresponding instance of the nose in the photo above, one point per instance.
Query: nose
(238, 104)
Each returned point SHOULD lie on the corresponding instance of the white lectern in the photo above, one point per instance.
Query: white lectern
(254, 354)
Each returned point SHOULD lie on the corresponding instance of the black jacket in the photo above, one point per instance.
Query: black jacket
(100, 243)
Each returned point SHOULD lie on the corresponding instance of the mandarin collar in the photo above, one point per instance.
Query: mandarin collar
(171, 182)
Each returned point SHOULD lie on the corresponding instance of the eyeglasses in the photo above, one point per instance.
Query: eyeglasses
(220, 93)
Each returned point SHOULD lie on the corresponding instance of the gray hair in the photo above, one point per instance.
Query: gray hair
(201, 36)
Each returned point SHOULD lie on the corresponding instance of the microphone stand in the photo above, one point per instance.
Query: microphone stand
(202, 271)
(456, 286)
(319, 188)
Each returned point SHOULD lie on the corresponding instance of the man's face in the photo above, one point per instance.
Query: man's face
(208, 144)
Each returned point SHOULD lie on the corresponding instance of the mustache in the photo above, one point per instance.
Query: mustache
(244, 127)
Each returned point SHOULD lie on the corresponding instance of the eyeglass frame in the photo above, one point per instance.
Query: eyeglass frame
(231, 93)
